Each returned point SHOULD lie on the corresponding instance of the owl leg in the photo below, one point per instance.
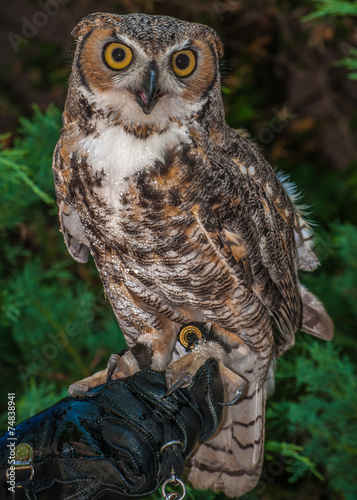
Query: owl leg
(119, 365)
(180, 373)
(151, 350)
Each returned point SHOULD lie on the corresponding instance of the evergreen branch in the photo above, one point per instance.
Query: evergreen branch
(291, 450)
(338, 8)
(327, 8)
(20, 172)
(64, 338)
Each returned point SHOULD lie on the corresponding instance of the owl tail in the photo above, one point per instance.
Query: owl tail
(232, 460)
(315, 319)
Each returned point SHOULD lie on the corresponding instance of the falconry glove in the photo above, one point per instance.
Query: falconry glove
(121, 440)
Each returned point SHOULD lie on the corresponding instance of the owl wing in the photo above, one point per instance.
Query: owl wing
(71, 225)
(249, 218)
(73, 233)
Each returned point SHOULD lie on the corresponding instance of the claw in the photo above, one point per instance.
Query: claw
(234, 400)
(184, 381)
(111, 366)
(80, 391)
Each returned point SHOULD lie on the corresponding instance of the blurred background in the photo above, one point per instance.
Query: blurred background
(289, 78)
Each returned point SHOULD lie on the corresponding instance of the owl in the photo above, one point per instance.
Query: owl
(195, 238)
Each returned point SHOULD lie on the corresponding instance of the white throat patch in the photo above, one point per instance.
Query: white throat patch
(119, 154)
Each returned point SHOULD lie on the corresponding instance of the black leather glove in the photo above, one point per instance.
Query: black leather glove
(110, 445)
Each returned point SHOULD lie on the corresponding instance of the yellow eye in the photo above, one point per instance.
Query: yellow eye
(183, 62)
(117, 56)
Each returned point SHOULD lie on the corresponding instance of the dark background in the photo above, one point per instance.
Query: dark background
(288, 81)
(273, 60)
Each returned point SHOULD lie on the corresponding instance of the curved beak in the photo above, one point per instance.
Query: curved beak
(149, 93)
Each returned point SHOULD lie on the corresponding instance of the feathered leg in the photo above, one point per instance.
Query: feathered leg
(231, 461)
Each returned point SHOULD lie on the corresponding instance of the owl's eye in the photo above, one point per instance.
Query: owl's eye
(183, 62)
(117, 55)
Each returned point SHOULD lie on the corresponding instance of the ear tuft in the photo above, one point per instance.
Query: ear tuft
(209, 35)
(83, 26)
(89, 22)
(219, 45)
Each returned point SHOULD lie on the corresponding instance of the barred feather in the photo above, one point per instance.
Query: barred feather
(185, 221)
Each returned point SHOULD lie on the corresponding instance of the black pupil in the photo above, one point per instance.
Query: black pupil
(118, 55)
(182, 61)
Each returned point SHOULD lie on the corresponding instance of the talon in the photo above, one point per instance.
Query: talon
(184, 381)
(111, 366)
(234, 400)
(79, 391)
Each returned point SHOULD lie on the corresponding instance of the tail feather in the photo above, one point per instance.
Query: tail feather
(232, 460)
(315, 319)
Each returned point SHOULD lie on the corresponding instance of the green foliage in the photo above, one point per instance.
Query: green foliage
(324, 411)
(315, 403)
(336, 281)
(46, 392)
(28, 159)
(298, 462)
(53, 315)
(332, 9)
(318, 415)
(51, 310)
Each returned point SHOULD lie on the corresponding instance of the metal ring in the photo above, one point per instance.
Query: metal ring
(171, 443)
(21, 467)
(174, 495)
(184, 334)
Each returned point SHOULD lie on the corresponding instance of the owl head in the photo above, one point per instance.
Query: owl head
(147, 69)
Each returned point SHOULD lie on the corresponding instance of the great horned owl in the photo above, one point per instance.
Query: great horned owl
(186, 222)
